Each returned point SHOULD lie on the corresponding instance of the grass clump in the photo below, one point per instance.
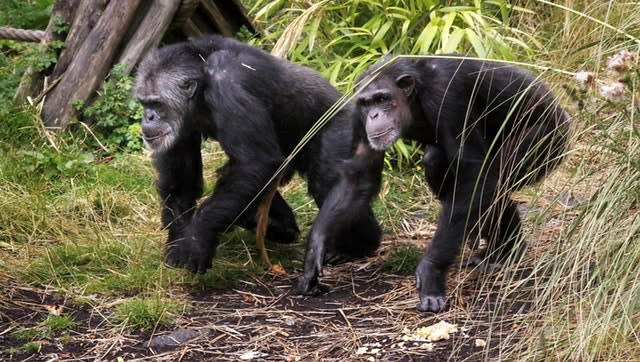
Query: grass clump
(402, 260)
(25, 334)
(146, 314)
(59, 323)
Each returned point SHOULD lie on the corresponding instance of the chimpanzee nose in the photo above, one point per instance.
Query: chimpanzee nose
(149, 116)
(373, 115)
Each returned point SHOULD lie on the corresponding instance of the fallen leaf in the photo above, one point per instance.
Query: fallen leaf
(278, 269)
(55, 309)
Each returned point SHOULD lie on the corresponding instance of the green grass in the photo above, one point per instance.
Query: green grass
(146, 314)
(85, 225)
(403, 260)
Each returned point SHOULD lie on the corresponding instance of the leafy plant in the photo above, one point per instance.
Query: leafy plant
(50, 163)
(58, 323)
(25, 14)
(117, 115)
(342, 41)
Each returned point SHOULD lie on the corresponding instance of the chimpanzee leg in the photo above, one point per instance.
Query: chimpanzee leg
(218, 212)
(461, 210)
(502, 230)
(357, 239)
(431, 272)
(506, 234)
(179, 185)
(282, 226)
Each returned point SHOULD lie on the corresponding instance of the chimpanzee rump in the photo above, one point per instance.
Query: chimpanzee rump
(257, 107)
(488, 129)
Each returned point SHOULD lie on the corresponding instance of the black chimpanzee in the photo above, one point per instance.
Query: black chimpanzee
(488, 129)
(258, 107)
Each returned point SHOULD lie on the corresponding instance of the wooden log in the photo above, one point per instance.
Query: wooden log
(32, 81)
(154, 21)
(90, 65)
(87, 16)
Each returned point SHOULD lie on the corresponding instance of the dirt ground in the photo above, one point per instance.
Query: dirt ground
(368, 315)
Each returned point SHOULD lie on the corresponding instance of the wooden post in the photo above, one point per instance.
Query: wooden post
(32, 82)
(147, 35)
(91, 63)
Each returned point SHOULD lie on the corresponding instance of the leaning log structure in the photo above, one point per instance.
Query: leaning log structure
(103, 33)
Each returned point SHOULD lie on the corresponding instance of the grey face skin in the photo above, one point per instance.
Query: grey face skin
(384, 105)
(169, 98)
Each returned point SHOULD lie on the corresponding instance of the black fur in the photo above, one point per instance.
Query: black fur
(488, 129)
(257, 107)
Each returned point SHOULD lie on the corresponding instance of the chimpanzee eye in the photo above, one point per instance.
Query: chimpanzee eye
(187, 84)
(382, 98)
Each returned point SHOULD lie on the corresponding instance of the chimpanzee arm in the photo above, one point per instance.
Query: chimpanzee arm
(179, 185)
(436, 166)
(359, 182)
(248, 138)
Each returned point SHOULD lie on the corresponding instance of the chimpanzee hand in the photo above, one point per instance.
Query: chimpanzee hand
(430, 282)
(308, 283)
(191, 253)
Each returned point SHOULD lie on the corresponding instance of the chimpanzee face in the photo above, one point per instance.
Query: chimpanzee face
(386, 109)
(167, 96)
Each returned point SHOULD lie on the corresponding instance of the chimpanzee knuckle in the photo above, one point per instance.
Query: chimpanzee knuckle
(432, 303)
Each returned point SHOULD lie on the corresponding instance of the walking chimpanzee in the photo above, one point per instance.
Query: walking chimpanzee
(488, 129)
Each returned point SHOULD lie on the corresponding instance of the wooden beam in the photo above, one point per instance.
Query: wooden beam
(149, 32)
(91, 64)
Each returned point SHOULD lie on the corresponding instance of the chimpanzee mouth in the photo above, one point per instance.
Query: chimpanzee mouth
(382, 140)
(151, 138)
(381, 133)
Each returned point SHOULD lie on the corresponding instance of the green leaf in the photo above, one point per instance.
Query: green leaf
(423, 43)
(453, 42)
(476, 43)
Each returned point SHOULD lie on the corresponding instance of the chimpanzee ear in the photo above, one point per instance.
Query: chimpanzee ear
(189, 87)
(406, 83)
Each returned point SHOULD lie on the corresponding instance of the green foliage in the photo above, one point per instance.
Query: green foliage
(58, 323)
(342, 41)
(51, 327)
(49, 163)
(32, 347)
(59, 26)
(146, 314)
(25, 334)
(116, 113)
(23, 14)
(403, 260)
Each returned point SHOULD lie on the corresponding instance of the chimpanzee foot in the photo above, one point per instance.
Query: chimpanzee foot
(432, 303)
(189, 253)
(310, 286)
(430, 282)
(283, 234)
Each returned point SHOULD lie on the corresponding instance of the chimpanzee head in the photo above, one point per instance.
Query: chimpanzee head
(168, 85)
(385, 104)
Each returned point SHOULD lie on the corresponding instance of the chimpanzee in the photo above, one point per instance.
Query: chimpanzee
(258, 107)
(488, 129)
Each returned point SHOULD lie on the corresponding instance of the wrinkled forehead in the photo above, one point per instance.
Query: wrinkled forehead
(153, 76)
(382, 84)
